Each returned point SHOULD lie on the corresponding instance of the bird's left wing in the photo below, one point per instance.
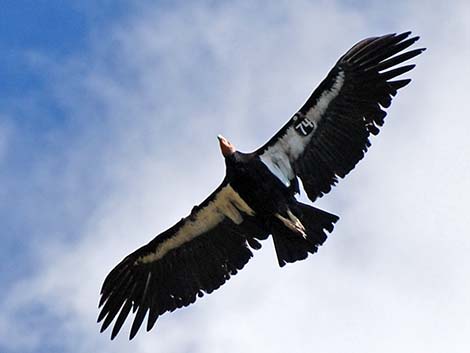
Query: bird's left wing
(196, 255)
(326, 138)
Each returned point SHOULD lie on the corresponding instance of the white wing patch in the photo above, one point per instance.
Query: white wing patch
(226, 204)
(276, 157)
(316, 112)
(279, 156)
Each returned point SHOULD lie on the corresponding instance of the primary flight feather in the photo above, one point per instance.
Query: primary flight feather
(324, 140)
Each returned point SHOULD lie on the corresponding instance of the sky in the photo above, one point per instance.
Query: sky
(109, 112)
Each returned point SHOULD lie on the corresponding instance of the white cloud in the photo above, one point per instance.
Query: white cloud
(150, 97)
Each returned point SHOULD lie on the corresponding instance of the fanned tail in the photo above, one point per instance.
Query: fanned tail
(300, 232)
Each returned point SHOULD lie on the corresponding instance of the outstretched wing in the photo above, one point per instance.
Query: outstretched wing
(326, 138)
(196, 255)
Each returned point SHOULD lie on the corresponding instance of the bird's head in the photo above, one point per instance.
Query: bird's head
(225, 146)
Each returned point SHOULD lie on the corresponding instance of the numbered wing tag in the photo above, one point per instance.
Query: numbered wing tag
(304, 126)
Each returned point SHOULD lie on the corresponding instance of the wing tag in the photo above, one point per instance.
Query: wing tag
(305, 127)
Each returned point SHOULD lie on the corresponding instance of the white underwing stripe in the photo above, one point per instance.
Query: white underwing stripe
(227, 203)
(279, 156)
(316, 112)
(276, 157)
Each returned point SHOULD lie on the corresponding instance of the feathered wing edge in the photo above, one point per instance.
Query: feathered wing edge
(170, 273)
(330, 133)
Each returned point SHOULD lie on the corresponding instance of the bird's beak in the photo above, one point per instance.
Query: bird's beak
(226, 147)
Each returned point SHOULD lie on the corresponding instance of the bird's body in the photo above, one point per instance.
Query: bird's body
(276, 209)
(255, 184)
(324, 140)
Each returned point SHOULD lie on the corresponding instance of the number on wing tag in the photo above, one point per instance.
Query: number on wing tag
(305, 126)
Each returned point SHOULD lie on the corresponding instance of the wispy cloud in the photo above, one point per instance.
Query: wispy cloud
(142, 106)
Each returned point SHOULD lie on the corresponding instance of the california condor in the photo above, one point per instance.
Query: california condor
(323, 141)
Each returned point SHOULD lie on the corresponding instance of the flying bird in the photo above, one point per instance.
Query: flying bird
(322, 142)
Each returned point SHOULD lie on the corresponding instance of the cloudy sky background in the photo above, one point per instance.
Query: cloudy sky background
(109, 113)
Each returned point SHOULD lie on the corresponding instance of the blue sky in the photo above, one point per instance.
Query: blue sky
(108, 118)
(35, 36)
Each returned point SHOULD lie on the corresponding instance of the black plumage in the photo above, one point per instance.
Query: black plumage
(321, 143)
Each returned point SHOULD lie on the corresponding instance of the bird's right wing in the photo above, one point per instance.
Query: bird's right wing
(330, 133)
(196, 255)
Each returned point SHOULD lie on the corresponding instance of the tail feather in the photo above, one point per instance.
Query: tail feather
(293, 246)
